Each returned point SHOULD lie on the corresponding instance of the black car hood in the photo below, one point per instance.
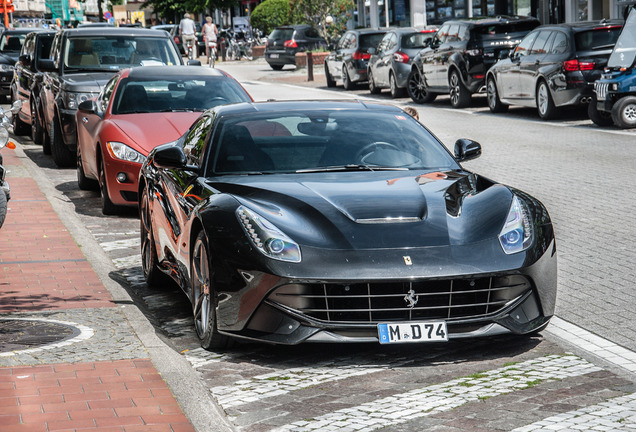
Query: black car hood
(9, 57)
(374, 210)
(87, 82)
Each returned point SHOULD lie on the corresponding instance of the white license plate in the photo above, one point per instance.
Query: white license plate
(412, 332)
(273, 56)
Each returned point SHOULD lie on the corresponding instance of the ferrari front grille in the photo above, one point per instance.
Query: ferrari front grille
(448, 299)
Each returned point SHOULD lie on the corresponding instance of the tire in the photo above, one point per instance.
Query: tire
(417, 88)
(495, 105)
(149, 262)
(372, 87)
(62, 156)
(83, 182)
(459, 94)
(624, 112)
(346, 81)
(19, 127)
(108, 208)
(276, 67)
(545, 104)
(46, 141)
(396, 92)
(37, 132)
(600, 118)
(203, 298)
(3, 207)
(331, 83)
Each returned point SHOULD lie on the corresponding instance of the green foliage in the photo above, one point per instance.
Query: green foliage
(169, 8)
(328, 16)
(271, 14)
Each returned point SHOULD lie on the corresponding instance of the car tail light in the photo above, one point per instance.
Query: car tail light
(359, 55)
(400, 57)
(290, 44)
(575, 65)
(479, 76)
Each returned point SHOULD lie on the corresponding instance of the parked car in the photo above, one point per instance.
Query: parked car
(82, 61)
(615, 92)
(27, 84)
(10, 45)
(138, 109)
(390, 63)
(284, 42)
(552, 67)
(344, 221)
(349, 61)
(459, 55)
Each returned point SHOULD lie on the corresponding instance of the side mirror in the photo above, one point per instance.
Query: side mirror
(88, 107)
(47, 65)
(169, 157)
(466, 149)
(25, 59)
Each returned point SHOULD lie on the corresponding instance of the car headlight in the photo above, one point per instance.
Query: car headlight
(517, 233)
(74, 99)
(123, 152)
(6, 67)
(268, 239)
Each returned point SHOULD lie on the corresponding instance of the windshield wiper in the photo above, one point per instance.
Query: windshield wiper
(177, 110)
(108, 69)
(351, 167)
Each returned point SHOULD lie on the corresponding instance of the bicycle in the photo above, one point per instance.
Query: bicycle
(190, 49)
(212, 55)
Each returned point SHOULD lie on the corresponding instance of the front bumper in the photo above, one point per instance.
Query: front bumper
(122, 193)
(286, 310)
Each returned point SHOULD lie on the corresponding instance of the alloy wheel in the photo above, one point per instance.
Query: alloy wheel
(201, 298)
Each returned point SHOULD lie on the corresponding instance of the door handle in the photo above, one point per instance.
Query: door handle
(84, 120)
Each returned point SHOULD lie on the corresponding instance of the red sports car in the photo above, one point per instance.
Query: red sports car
(136, 111)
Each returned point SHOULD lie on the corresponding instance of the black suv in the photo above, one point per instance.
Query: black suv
(349, 61)
(284, 42)
(459, 55)
(10, 45)
(27, 83)
(82, 62)
(553, 66)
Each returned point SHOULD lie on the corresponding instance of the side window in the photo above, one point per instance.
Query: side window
(27, 47)
(384, 43)
(56, 47)
(464, 33)
(453, 33)
(393, 41)
(524, 47)
(539, 46)
(312, 33)
(195, 140)
(441, 35)
(342, 44)
(560, 44)
(104, 98)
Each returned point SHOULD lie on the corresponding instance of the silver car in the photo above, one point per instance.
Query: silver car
(390, 62)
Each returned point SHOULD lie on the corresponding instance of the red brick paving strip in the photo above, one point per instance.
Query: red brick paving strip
(122, 396)
(50, 272)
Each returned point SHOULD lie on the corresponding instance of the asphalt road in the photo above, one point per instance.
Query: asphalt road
(582, 173)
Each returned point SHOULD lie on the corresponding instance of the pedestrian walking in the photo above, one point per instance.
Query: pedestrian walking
(187, 32)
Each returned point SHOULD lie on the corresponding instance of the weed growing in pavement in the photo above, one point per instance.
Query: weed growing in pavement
(278, 378)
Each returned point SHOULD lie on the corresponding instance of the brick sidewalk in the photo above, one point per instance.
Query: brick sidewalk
(42, 268)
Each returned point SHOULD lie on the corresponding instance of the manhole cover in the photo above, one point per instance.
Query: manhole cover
(19, 334)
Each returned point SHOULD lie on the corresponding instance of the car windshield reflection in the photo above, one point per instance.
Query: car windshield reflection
(305, 142)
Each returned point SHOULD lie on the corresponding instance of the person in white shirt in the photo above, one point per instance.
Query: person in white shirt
(209, 31)
(187, 32)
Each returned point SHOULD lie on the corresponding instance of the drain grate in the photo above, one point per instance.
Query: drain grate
(18, 334)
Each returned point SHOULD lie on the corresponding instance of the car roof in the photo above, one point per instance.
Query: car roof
(488, 20)
(23, 30)
(370, 30)
(304, 105)
(584, 25)
(174, 71)
(107, 31)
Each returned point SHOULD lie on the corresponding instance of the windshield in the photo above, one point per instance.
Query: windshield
(12, 41)
(178, 94)
(370, 40)
(310, 141)
(282, 34)
(415, 40)
(118, 52)
(624, 52)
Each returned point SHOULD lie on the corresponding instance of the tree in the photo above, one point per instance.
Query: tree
(328, 16)
(271, 14)
(167, 8)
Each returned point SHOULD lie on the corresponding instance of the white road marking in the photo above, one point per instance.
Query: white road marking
(85, 333)
(121, 244)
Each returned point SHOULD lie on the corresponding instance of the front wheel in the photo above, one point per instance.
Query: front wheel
(83, 182)
(600, 118)
(624, 112)
(417, 88)
(459, 94)
(108, 208)
(545, 104)
(62, 156)
(492, 95)
(37, 132)
(204, 298)
(19, 127)
(373, 89)
(396, 91)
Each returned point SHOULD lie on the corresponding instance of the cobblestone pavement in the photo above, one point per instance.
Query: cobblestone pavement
(502, 384)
